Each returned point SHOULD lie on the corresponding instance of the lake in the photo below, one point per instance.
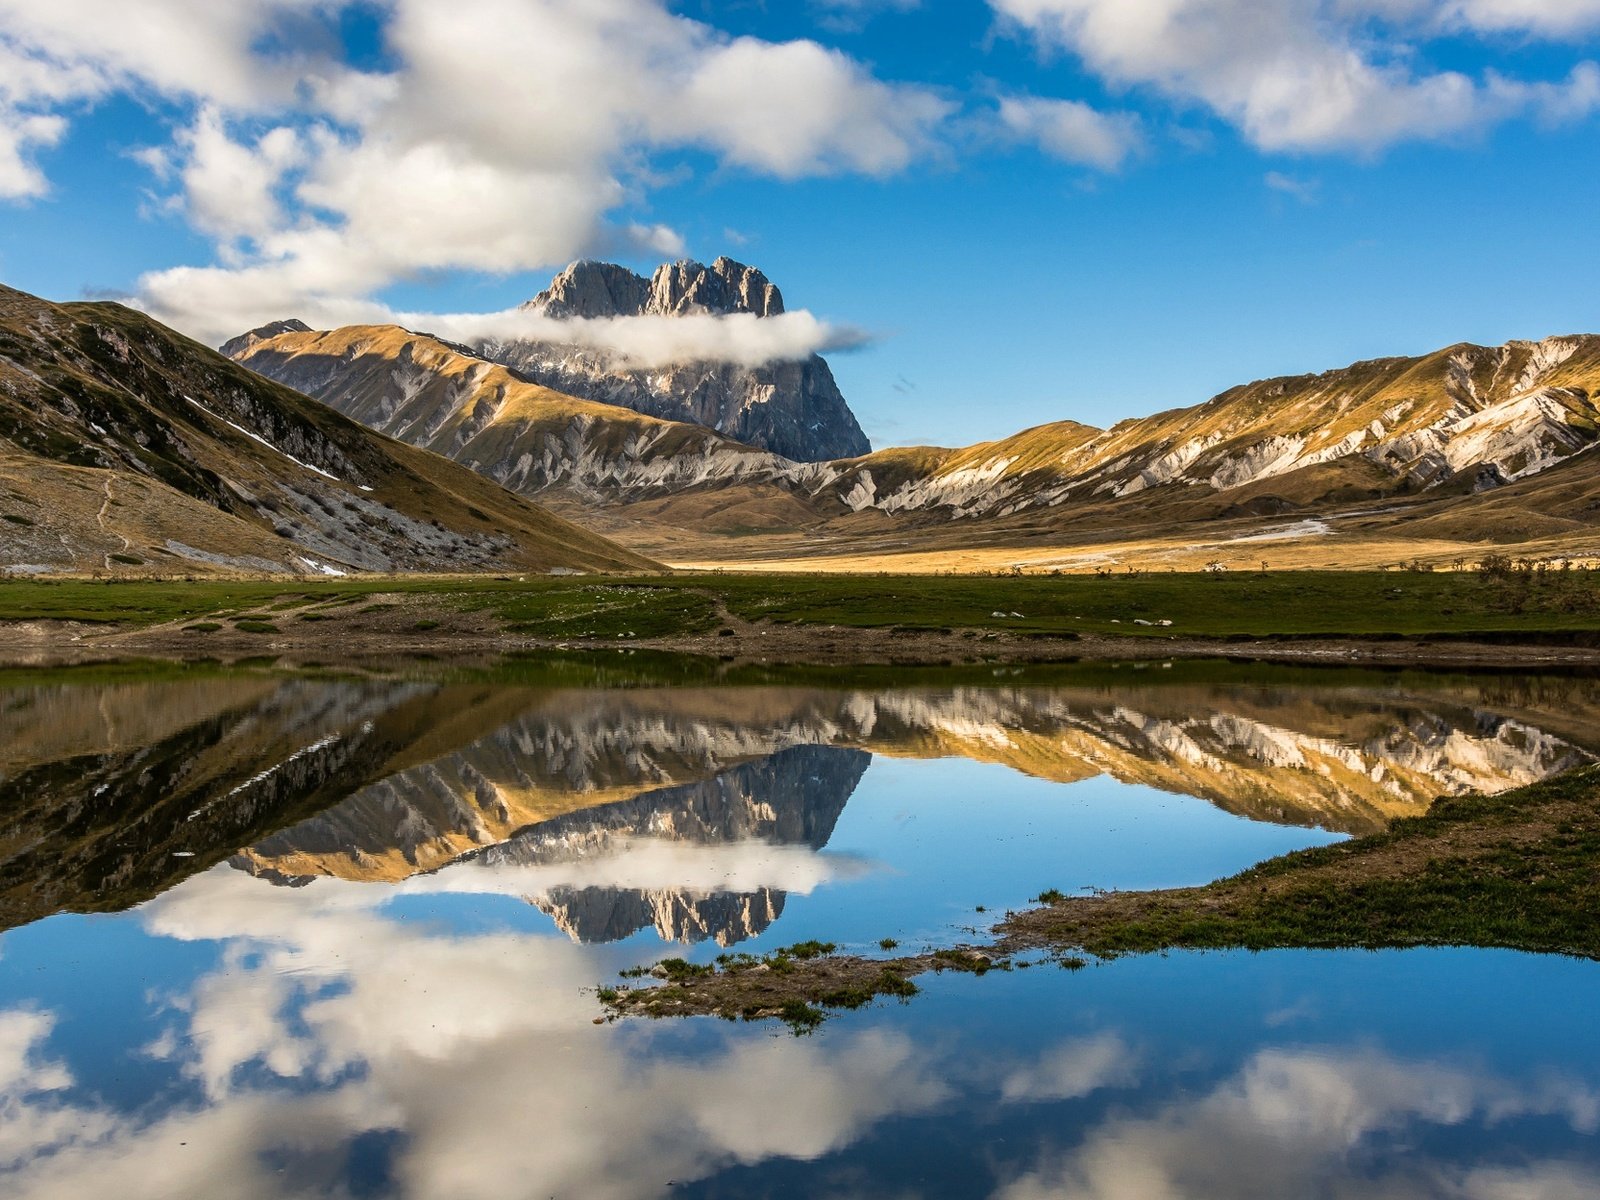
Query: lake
(304, 934)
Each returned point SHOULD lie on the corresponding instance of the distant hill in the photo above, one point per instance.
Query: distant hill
(125, 447)
(1469, 418)
(528, 437)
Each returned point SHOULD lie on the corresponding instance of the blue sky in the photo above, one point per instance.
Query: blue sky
(1038, 209)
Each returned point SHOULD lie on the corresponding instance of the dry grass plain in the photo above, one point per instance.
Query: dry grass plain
(1278, 551)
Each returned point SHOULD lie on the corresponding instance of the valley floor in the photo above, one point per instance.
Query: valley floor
(1302, 546)
(1549, 517)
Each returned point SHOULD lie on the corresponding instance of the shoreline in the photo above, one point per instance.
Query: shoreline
(469, 637)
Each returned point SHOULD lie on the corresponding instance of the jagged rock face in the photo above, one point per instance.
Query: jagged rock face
(794, 409)
(590, 290)
(596, 289)
(725, 287)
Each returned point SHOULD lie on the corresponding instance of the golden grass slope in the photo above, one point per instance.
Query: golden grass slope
(527, 437)
(1498, 412)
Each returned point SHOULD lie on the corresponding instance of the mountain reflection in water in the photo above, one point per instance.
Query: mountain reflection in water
(104, 787)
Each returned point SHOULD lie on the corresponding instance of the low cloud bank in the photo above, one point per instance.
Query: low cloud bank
(639, 342)
(654, 341)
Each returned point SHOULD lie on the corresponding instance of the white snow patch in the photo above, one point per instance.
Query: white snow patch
(321, 568)
(314, 748)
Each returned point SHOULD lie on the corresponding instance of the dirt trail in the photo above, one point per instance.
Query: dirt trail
(100, 520)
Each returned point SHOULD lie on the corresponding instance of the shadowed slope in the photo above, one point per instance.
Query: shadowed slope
(124, 446)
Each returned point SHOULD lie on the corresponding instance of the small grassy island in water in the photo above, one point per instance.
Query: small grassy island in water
(1515, 871)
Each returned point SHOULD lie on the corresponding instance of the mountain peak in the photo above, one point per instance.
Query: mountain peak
(590, 289)
(593, 289)
(724, 287)
(262, 333)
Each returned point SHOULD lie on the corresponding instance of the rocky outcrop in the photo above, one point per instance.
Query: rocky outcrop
(595, 290)
(592, 290)
(241, 345)
(724, 287)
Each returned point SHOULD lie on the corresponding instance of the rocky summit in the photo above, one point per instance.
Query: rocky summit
(794, 409)
(597, 289)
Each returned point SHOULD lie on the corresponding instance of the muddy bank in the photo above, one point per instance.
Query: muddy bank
(830, 644)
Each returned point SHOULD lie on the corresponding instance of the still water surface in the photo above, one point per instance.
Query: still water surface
(340, 937)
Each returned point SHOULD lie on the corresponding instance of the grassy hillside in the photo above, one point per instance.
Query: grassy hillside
(527, 437)
(127, 448)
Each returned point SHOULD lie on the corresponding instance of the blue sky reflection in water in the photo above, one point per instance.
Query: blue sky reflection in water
(433, 1036)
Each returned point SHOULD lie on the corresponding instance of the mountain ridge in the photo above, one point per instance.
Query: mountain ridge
(1463, 421)
(590, 289)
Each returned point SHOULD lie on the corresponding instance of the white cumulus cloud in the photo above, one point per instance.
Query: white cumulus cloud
(1306, 75)
(657, 341)
(1551, 19)
(501, 136)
